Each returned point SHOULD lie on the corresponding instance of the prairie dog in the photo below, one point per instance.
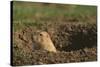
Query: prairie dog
(44, 41)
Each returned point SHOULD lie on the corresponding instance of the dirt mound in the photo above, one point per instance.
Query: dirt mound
(44, 57)
(74, 42)
(75, 36)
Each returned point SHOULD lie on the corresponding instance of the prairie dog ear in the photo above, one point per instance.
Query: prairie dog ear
(46, 34)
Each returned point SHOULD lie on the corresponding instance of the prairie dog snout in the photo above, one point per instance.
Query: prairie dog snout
(44, 41)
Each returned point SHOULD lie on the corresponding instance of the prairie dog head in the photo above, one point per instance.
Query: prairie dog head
(44, 41)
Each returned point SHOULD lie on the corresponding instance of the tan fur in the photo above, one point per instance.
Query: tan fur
(44, 41)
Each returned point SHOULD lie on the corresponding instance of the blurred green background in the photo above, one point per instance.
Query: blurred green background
(32, 14)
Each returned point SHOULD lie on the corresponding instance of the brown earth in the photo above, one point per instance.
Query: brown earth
(74, 43)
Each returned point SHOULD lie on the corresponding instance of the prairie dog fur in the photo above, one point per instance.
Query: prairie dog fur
(44, 41)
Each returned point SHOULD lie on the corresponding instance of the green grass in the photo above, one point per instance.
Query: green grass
(28, 12)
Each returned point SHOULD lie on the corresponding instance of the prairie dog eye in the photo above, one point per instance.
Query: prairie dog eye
(41, 35)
